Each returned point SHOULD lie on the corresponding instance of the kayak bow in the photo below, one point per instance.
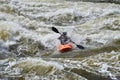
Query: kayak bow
(65, 48)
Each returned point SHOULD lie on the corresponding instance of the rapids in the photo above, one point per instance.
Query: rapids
(28, 46)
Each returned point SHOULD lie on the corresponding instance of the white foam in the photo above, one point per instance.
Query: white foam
(104, 68)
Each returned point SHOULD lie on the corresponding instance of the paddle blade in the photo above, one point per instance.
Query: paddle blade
(55, 30)
(80, 47)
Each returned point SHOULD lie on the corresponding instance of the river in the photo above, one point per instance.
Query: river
(28, 46)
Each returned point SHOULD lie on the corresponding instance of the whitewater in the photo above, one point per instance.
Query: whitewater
(28, 46)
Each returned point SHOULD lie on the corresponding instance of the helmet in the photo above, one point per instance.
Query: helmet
(64, 33)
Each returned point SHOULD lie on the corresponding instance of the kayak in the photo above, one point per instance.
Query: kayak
(64, 48)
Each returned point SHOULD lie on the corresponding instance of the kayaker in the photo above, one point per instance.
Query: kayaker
(64, 39)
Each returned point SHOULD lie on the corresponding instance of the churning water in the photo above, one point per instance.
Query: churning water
(28, 46)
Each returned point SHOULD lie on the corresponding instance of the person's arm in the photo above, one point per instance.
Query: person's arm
(69, 39)
(59, 37)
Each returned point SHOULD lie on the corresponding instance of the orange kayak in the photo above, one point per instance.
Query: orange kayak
(65, 48)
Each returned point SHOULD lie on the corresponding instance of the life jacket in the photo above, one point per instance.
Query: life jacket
(63, 39)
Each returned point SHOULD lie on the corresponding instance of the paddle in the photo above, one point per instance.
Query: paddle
(56, 30)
